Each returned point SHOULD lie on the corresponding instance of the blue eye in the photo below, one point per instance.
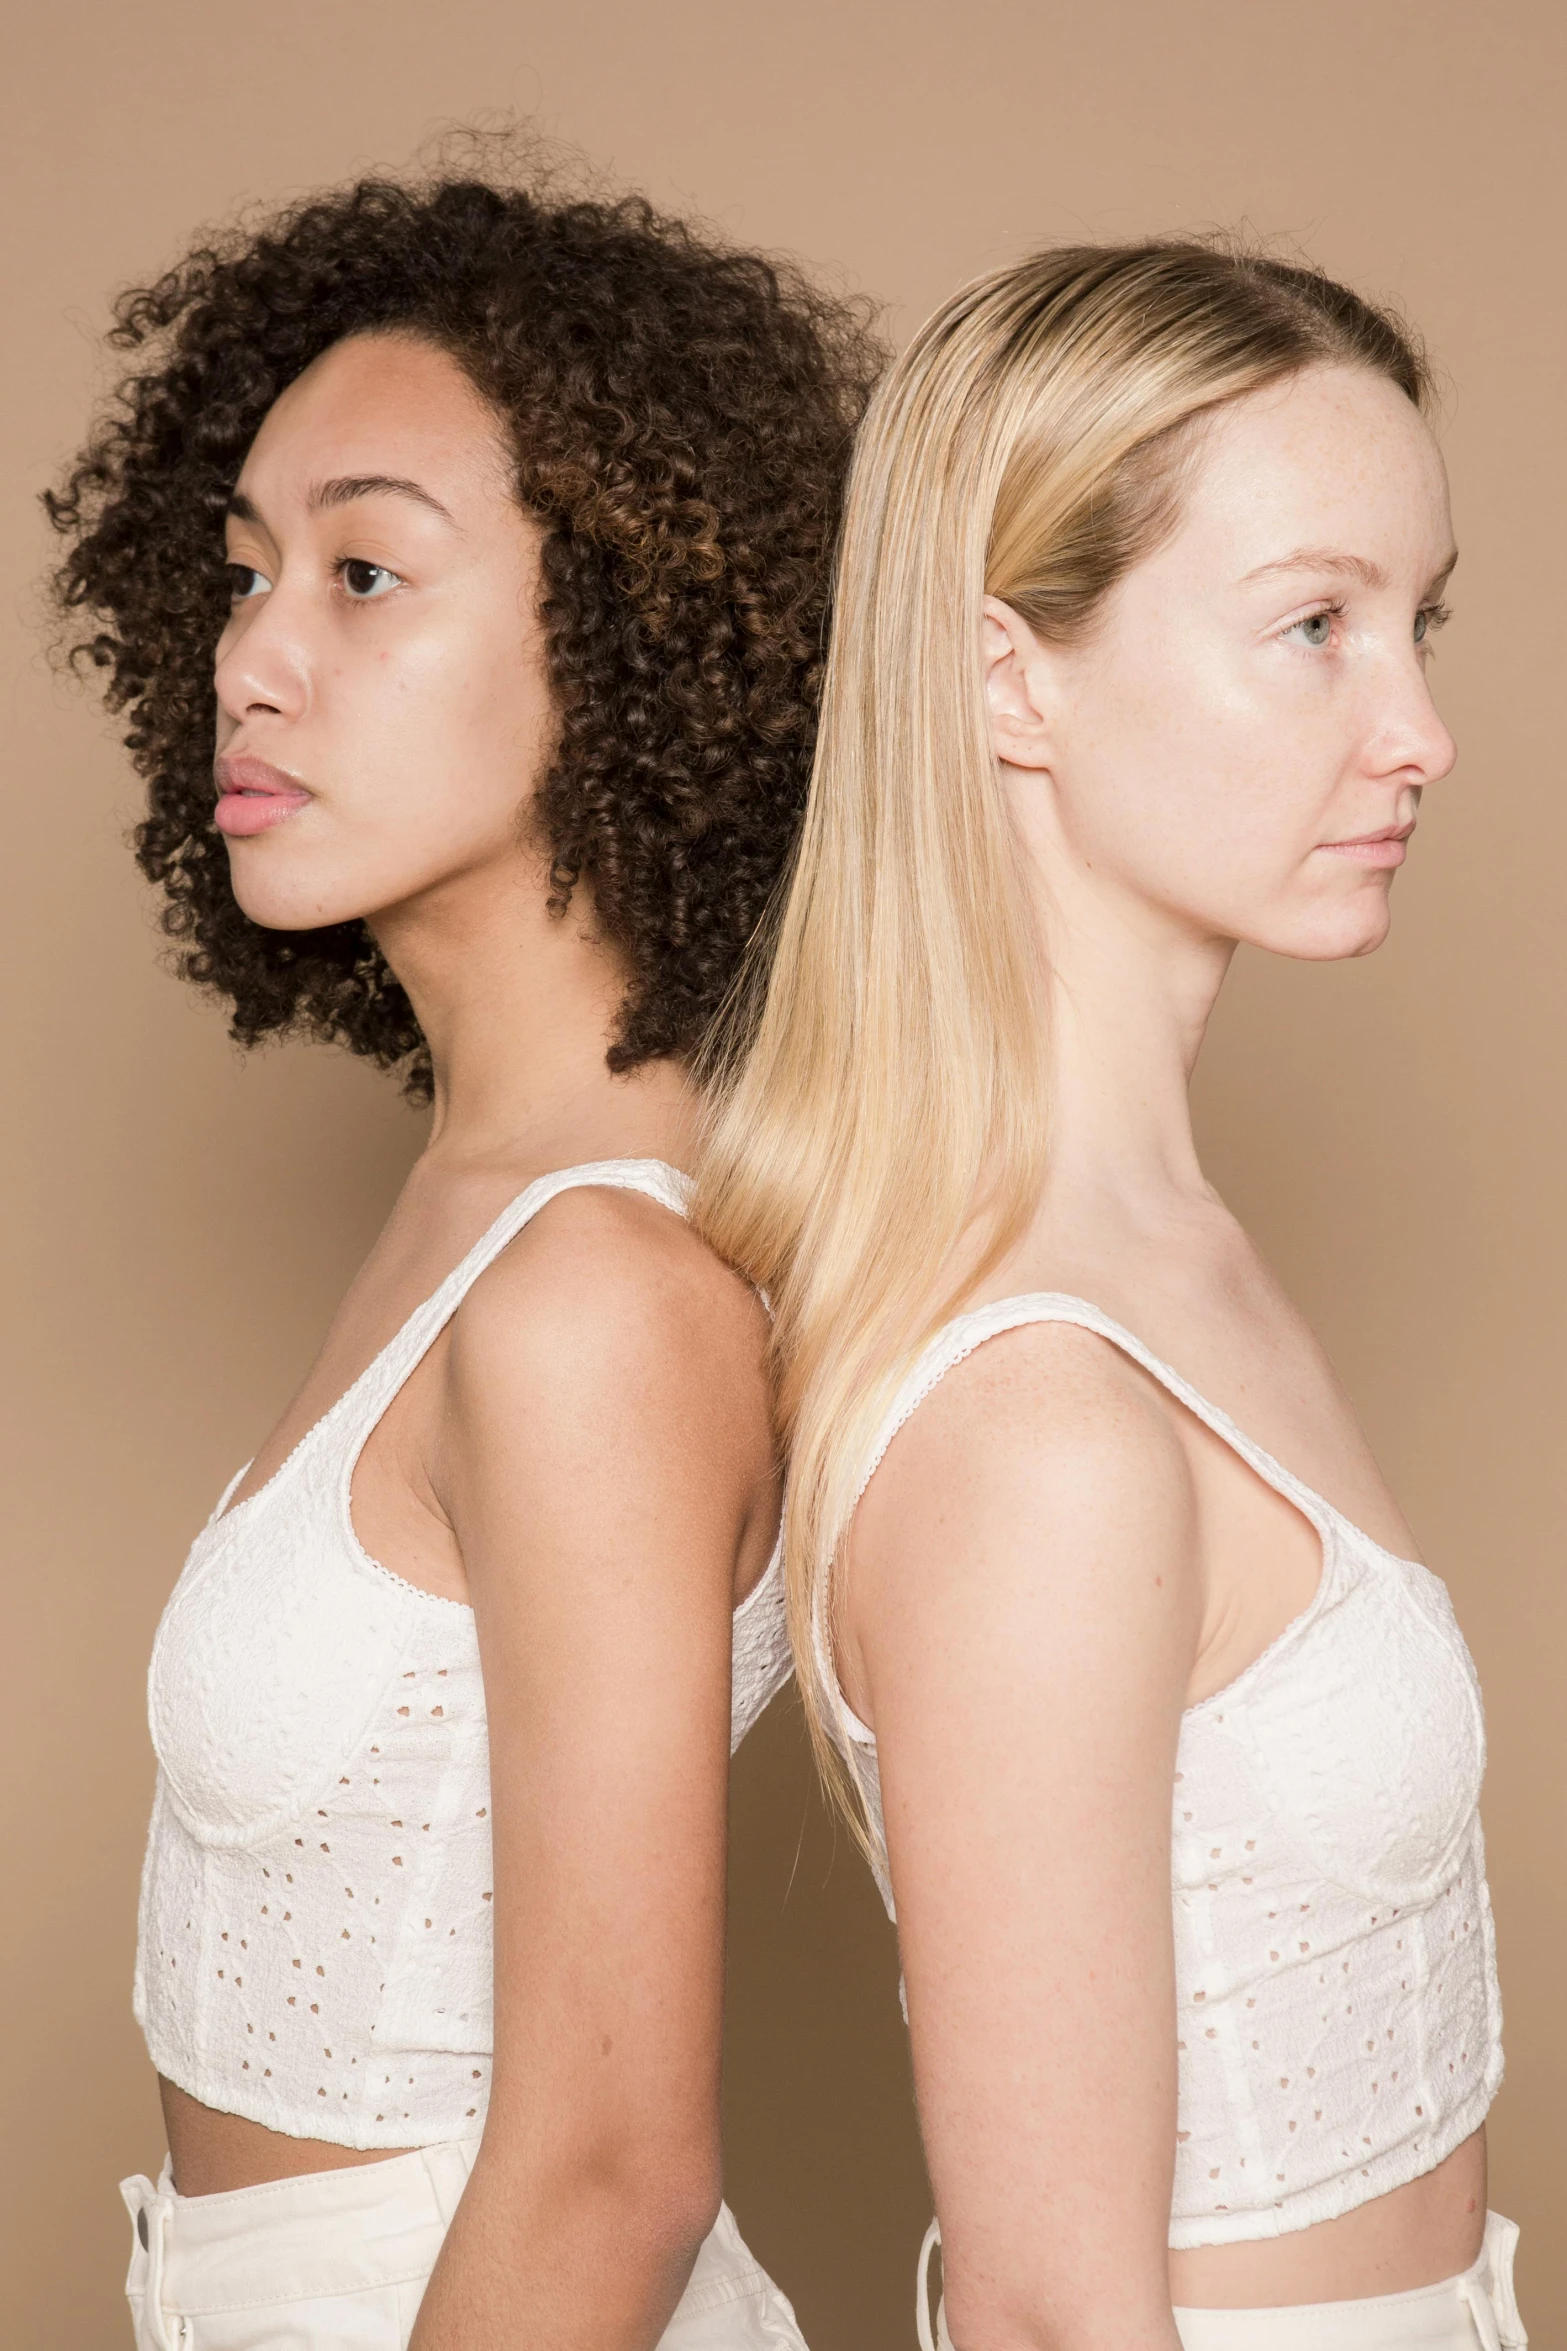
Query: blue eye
(1317, 627)
(366, 581)
(245, 581)
(1428, 618)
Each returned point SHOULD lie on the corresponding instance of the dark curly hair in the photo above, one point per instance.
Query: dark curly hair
(681, 414)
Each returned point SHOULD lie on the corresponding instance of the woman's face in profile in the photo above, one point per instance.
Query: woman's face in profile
(383, 704)
(1242, 740)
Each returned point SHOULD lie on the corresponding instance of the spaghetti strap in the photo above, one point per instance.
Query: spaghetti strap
(346, 1425)
(959, 1338)
(371, 1393)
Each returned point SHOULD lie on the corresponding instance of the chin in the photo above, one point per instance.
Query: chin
(283, 895)
(1331, 934)
(1341, 942)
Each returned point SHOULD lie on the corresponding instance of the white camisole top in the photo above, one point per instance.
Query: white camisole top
(315, 1930)
(1338, 2018)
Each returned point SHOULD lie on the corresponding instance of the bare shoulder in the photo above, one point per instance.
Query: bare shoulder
(1034, 1526)
(1048, 1419)
(607, 1287)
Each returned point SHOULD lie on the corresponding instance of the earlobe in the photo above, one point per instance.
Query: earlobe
(1013, 666)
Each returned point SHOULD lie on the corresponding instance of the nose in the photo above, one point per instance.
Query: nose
(262, 666)
(1411, 742)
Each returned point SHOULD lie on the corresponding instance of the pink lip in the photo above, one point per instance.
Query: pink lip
(253, 796)
(1388, 847)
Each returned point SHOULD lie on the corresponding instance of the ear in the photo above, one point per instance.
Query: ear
(1018, 680)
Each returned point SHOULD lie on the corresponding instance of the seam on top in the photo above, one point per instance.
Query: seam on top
(361, 1558)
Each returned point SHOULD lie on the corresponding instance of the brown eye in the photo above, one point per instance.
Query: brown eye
(245, 581)
(365, 581)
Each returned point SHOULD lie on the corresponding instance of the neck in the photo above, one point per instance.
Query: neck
(518, 1008)
(1131, 990)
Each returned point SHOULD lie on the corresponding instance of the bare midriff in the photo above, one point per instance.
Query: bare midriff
(212, 2153)
(1416, 2235)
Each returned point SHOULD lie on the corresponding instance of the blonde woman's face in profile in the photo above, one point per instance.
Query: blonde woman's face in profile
(1242, 742)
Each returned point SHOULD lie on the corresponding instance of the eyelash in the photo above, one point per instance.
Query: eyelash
(1320, 612)
(363, 563)
(244, 572)
(1435, 616)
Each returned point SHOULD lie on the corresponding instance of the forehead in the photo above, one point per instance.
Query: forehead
(378, 405)
(1336, 456)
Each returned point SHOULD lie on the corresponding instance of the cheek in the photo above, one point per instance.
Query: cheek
(443, 742)
(425, 756)
(481, 698)
(1213, 823)
(1174, 789)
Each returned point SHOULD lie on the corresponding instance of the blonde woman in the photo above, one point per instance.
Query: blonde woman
(1167, 1747)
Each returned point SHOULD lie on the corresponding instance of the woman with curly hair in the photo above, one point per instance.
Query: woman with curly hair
(459, 552)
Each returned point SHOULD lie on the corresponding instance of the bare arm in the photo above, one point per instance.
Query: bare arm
(1023, 1613)
(605, 1449)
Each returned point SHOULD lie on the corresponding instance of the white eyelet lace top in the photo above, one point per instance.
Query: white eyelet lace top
(315, 1932)
(1338, 2017)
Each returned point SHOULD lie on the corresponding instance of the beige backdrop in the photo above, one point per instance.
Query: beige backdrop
(179, 1224)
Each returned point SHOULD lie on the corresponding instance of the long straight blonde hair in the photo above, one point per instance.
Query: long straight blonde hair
(880, 1091)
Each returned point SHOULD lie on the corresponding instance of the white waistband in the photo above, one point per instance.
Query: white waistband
(1474, 2312)
(357, 2226)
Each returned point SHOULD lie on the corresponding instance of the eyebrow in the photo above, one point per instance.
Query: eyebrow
(348, 487)
(1334, 559)
(343, 490)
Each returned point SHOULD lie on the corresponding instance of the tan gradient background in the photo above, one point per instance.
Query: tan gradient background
(178, 1225)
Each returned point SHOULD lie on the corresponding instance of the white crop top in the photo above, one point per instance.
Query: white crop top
(315, 1932)
(1338, 2018)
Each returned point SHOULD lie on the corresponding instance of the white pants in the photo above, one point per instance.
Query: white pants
(1475, 2312)
(339, 2260)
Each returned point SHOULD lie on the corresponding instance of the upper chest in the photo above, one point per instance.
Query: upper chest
(436, 1219)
